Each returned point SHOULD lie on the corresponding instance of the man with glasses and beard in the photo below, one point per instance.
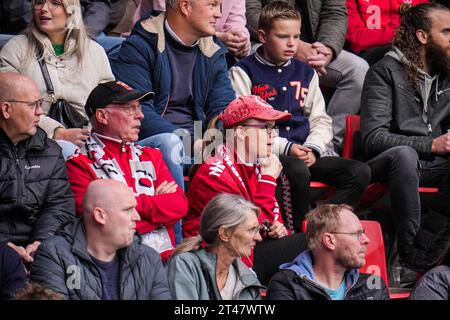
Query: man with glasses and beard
(329, 269)
(405, 122)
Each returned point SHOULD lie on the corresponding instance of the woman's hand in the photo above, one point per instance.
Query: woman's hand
(76, 136)
(277, 230)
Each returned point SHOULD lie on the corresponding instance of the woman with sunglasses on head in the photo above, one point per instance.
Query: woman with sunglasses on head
(229, 230)
(76, 65)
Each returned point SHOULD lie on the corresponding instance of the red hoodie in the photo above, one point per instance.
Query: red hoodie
(216, 176)
(372, 23)
(155, 210)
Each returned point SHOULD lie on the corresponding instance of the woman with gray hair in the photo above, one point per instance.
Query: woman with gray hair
(76, 65)
(229, 228)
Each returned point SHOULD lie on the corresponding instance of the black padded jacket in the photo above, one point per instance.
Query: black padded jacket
(35, 195)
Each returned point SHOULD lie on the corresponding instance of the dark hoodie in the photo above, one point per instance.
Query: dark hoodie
(35, 195)
(296, 281)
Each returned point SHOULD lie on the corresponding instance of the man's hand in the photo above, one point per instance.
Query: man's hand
(166, 187)
(299, 151)
(320, 60)
(311, 159)
(271, 166)
(316, 55)
(304, 51)
(76, 136)
(32, 247)
(441, 145)
(22, 252)
(303, 153)
(277, 230)
(236, 42)
(323, 49)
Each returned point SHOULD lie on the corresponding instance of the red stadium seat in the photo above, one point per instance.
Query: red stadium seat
(376, 190)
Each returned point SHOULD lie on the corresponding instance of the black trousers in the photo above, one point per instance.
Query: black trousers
(401, 168)
(271, 253)
(349, 177)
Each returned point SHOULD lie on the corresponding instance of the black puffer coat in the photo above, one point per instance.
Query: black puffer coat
(35, 195)
(63, 264)
(434, 285)
(432, 241)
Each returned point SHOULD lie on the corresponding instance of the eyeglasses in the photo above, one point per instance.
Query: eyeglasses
(269, 128)
(33, 105)
(358, 234)
(52, 4)
(254, 230)
(130, 110)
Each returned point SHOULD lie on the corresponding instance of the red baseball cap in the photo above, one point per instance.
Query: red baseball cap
(250, 107)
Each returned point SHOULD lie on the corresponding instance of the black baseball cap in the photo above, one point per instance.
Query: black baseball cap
(113, 92)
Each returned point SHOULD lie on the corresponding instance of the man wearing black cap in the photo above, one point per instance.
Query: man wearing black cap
(110, 153)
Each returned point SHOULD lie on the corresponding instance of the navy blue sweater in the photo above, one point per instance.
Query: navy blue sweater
(12, 272)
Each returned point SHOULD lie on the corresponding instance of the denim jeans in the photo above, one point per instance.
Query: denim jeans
(173, 153)
(111, 45)
(401, 169)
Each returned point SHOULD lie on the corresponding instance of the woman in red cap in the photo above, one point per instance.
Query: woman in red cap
(243, 165)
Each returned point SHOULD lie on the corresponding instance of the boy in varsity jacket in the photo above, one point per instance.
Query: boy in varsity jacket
(291, 85)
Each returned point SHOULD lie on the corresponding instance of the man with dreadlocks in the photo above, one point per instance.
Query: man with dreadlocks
(405, 118)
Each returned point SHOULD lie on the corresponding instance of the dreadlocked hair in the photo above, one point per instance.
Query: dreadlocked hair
(413, 18)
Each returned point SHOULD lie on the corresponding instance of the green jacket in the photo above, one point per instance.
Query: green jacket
(192, 276)
(327, 19)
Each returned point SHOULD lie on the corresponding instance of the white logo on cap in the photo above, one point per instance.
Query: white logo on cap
(120, 83)
(261, 102)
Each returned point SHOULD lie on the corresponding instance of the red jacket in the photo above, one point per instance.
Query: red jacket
(215, 176)
(372, 23)
(155, 210)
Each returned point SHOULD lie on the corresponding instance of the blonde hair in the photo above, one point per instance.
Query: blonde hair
(325, 218)
(76, 30)
(274, 11)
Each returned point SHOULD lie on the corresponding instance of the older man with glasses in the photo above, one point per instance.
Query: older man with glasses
(329, 269)
(35, 197)
(110, 153)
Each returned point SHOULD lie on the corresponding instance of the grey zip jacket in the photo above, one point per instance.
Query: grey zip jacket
(192, 276)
